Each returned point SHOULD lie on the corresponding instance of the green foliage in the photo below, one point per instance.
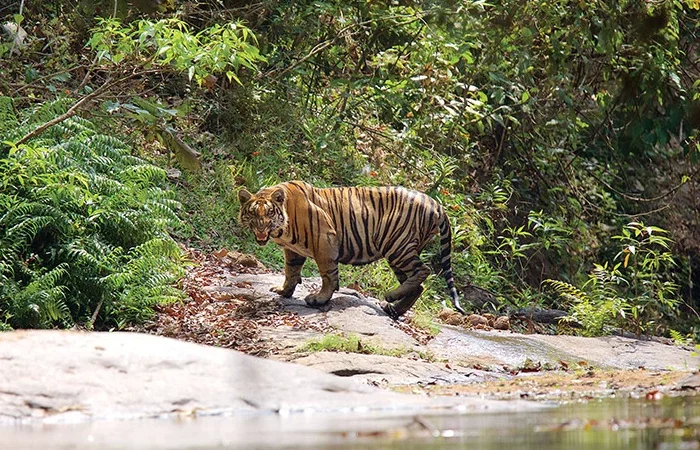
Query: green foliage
(84, 233)
(600, 307)
(349, 344)
(636, 294)
(375, 278)
(679, 339)
(543, 128)
(424, 320)
(170, 43)
(647, 257)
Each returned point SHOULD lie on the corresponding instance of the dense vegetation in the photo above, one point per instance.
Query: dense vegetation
(84, 226)
(562, 137)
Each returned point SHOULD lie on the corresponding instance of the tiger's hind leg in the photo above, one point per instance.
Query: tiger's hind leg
(397, 309)
(411, 272)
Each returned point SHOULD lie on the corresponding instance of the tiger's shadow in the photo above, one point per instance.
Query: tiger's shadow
(342, 300)
(345, 302)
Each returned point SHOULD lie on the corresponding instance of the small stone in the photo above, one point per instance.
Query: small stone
(502, 323)
(173, 173)
(475, 319)
(248, 261)
(450, 317)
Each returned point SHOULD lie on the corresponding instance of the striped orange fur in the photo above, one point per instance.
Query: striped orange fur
(351, 225)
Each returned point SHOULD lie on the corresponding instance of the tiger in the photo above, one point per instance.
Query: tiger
(350, 225)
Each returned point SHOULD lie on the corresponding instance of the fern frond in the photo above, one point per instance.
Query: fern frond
(46, 111)
(567, 290)
(105, 185)
(25, 231)
(143, 174)
(8, 119)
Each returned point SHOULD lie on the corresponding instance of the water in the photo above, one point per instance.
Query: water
(669, 423)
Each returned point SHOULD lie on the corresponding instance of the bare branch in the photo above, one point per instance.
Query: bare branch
(79, 104)
(70, 113)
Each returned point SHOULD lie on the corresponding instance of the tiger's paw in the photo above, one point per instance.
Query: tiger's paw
(316, 300)
(280, 290)
(389, 310)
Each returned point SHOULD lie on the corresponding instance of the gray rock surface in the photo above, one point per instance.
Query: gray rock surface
(382, 370)
(67, 376)
(53, 375)
(496, 349)
(352, 313)
(348, 311)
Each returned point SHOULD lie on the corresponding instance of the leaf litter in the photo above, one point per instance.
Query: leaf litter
(219, 317)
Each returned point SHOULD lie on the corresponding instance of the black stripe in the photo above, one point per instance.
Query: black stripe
(355, 231)
(388, 222)
(342, 237)
(296, 261)
(365, 224)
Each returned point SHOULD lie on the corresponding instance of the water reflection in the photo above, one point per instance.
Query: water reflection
(670, 423)
(665, 424)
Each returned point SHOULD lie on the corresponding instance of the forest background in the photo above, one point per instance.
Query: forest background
(561, 136)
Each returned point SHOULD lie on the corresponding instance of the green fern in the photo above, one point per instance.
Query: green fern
(8, 120)
(83, 226)
(567, 291)
(600, 307)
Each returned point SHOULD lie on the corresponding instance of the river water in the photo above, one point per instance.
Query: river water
(663, 424)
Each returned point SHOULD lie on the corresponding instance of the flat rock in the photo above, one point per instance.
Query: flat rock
(691, 382)
(353, 313)
(68, 375)
(348, 311)
(496, 348)
(622, 352)
(390, 371)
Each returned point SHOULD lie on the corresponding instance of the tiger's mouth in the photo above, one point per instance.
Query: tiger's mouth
(261, 237)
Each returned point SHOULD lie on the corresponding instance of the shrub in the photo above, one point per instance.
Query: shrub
(84, 226)
(638, 293)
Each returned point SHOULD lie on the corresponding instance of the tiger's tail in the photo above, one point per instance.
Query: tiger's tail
(446, 260)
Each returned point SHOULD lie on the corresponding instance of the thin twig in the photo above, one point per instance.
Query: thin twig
(76, 107)
(71, 112)
(97, 311)
(642, 199)
(317, 49)
(88, 72)
(323, 45)
(24, 86)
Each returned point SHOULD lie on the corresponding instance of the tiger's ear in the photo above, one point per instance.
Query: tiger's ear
(278, 196)
(244, 196)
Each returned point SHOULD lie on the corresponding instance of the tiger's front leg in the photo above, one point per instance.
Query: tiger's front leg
(293, 263)
(329, 278)
(327, 260)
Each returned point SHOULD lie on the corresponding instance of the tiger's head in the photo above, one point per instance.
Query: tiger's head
(263, 213)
